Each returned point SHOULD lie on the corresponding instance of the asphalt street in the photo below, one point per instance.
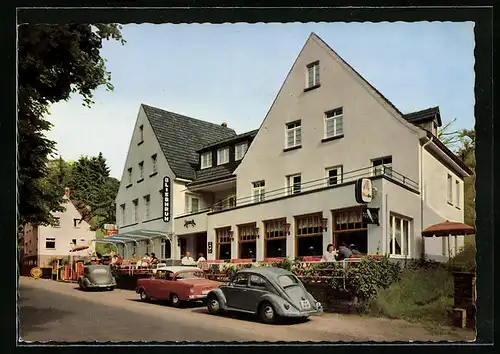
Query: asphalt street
(54, 311)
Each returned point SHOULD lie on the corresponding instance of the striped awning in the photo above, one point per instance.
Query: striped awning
(134, 236)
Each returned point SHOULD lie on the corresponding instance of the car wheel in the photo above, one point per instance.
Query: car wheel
(267, 313)
(143, 295)
(111, 288)
(213, 304)
(174, 300)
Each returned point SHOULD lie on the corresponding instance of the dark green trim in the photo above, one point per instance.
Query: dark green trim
(292, 148)
(152, 219)
(312, 87)
(332, 138)
(153, 174)
(140, 143)
(140, 180)
(129, 185)
(136, 223)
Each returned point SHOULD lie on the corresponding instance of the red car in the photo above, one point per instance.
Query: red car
(176, 284)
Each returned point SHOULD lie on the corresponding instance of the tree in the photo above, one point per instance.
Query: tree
(467, 153)
(447, 136)
(54, 61)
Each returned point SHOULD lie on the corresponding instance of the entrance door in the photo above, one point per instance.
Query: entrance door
(201, 245)
(183, 244)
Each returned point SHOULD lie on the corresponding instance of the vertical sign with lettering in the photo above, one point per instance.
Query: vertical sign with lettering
(166, 199)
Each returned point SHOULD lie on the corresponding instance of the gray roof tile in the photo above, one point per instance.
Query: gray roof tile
(180, 137)
(425, 114)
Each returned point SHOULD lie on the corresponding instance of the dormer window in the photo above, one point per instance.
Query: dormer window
(222, 156)
(240, 150)
(312, 75)
(141, 134)
(206, 160)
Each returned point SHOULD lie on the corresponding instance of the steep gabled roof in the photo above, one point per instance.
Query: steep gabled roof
(231, 140)
(180, 137)
(424, 115)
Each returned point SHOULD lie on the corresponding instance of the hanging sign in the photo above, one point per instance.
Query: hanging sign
(364, 190)
(36, 272)
(166, 199)
(209, 247)
(370, 216)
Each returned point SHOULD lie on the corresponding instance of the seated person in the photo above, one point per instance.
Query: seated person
(134, 259)
(344, 252)
(119, 260)
(187, 259)
(330, 254)
(154, 260)
(201, 258)
(354, 249)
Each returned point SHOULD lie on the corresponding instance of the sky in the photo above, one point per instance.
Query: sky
(232, 73)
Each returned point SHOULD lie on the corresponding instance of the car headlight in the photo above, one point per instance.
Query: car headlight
(318, 304)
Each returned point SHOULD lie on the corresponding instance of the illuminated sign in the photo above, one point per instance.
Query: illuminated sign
(166, 199)
(364, 190)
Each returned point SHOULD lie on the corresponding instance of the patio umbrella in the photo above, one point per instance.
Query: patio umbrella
(448, 229)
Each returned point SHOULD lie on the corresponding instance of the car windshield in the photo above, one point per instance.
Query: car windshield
(190, 275)
(287, 280)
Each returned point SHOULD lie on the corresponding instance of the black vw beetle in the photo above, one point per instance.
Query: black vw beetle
(267, 291)
(96, 276)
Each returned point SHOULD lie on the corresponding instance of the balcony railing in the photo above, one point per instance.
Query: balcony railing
(345, 177)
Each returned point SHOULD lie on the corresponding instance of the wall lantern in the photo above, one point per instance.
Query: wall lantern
(231, 232)
(256, 232)
(324, 224)
(287, 229)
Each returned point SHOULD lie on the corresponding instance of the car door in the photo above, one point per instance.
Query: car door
(154, 286)
(257, 287)
(165, 287)
(236, 291)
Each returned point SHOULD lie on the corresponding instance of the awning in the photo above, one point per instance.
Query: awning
(134, 237)
(448, 228)
(79, 248)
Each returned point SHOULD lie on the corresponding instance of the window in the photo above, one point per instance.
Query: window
(333, 175)
(240, 150)
(73, 241)
(450, 189)
(222, 156)
(313, 74)
(309, 235)
(146, 207)
(241, 280)
(257, 281)
(141, 134)
(206, 160)
(57, 221)
(399, 236)
(259, 190)
(192, 204)
(275, 238)
(136, 210)
(223, 243)
(76, 222)
(141, 170)
(153, 164)
(123, 214)
(458, 194)
(288, 280)
(247, 236)
(50, 243)
(293, 184)
(293, 134)
(382, 166)
(130, 175)
(334, 123)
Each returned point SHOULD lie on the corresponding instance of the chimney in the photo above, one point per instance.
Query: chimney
(67, 192)
(224, 124)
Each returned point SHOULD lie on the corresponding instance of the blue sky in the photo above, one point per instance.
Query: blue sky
(232, 73)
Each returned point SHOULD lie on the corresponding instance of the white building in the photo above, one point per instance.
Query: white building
(288, 188)
(42, 244)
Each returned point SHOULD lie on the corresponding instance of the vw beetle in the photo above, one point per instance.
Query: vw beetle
(96, 276)
(268, 292)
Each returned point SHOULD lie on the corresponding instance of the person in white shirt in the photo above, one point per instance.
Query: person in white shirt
(187, 259)
(330, 254)
(200, 258)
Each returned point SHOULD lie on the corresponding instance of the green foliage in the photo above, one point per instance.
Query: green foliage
(103, 248)
(54, 61)
(422, 294)
(465, 260)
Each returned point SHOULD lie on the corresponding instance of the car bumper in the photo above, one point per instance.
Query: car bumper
(96, 286)
(196, 297)
(316, 312)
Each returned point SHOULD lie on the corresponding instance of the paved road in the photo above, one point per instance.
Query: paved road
(52, 311)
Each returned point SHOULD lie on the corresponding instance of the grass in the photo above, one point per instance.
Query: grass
(422, 295)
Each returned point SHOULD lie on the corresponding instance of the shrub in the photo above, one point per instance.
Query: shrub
(465, 260)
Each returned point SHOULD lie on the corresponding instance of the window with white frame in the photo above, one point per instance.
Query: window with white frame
(399, 236)
(334, 123)
(240, 150)
(50, 243)
(130, 175)
(192, 203)
(146, 207)
(313, 74)
(333, 175)
(222, 156)
(123, 210)
(294, 184)
(153, 164)
(382, 166)
(449, 188)
(141, 170)
(259, 191)
(293, 134)
(458, 193)
(206, 160)
(57, 221)
(135, 202)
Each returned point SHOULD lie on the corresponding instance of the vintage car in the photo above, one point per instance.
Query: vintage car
(176, 284)
(267, 291)
(96, 276)
(156, 266)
